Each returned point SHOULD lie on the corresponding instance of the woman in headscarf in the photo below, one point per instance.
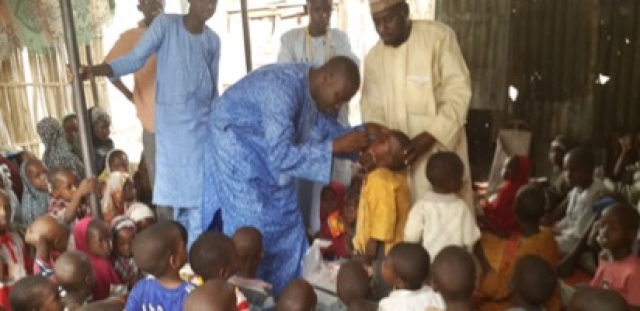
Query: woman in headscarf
(57, 152)
(100, 134)
(118, 194)
(499, 214)
(35, 197)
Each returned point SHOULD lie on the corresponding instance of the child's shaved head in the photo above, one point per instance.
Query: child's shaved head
(214, 295)
(353, 282)
(249, 250)
(153, 248)
(597, 299)
(534, 280)
(530, 204)
(626, 215)
(73, 272)
(409, 264)
(53, 232)
(297, 296)
(445, 172)
(33, 293)
(212, 255)
(454, 274)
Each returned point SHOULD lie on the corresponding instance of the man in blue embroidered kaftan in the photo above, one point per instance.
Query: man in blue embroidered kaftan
(274, 126)
(188, 55)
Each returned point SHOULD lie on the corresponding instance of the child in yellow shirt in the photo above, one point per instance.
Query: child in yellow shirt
(385, 200)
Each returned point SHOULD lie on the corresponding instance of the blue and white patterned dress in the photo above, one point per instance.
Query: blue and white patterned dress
(265, 133)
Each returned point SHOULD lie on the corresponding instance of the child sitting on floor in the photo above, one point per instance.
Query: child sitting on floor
(499, 216)
(35, 293)
(579, 210)
(557, 187)
(332, 227)
(74, 275)
(297, 295)
(142, 216)
(498, 256)
(454, 277)
(159, 251)
(215, 295)
(116, 161)
(441, 218)
(249, 253)
(123, 231)
(534, 281)
(66, 201)
(15, 263)
(597, 299)
(385, 199)
(619, 267)
(212, 257)
(92, 238)
(50, 238)
(100, 122)
(353, 283)
(35, 197)
(118, 194)
(406, 269)
(625, 179)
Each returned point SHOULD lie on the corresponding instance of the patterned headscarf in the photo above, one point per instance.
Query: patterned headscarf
(139, 212)
(5, 177)
(112, 204)
(121, 222)
(34, 202)
(99, 115)
(57, 152)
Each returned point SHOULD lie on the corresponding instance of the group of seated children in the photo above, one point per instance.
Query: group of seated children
(519, 244)
(90, 277)
(436, 254)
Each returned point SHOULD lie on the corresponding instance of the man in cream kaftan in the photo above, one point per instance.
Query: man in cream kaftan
(419, 85)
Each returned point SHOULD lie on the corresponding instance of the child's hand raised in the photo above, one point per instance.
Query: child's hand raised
(88, 186)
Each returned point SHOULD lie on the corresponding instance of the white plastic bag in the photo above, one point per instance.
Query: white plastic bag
(312, 262)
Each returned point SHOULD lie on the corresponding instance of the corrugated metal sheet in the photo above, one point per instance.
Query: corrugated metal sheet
(574, 63)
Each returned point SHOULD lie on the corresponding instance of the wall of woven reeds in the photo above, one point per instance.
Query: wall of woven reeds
(35, 85)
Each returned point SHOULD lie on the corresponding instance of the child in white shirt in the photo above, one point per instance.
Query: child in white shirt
(441, 218)
(405, 269)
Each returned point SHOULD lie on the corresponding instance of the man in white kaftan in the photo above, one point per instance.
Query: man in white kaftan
(416, 81)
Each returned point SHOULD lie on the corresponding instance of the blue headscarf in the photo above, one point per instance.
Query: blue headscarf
(35, 203)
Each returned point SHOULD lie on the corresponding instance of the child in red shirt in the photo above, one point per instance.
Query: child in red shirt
(14, 259)
(499, 214)
(619, 267)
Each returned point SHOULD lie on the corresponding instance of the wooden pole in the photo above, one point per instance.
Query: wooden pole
(94, 85)
(79, 99)
(246, 34)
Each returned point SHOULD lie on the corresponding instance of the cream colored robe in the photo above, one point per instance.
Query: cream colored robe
(421, 86)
